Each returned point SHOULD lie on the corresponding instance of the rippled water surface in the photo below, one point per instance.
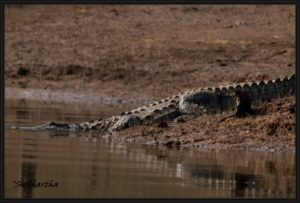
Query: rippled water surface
(78, 166)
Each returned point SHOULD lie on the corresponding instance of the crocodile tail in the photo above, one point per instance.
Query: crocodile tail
(271, 89)
(278, 88)
(256, 91)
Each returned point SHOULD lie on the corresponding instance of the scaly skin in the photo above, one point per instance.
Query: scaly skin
(198, 101)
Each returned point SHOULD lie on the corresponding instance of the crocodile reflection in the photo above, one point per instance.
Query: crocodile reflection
(239, 175)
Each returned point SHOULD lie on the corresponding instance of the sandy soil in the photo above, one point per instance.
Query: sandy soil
(141, 53)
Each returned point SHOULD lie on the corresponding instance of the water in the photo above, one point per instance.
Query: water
(82, 166)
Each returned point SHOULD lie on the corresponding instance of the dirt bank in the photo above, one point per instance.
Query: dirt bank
(145, 51)
(135, 54)
(272, 130)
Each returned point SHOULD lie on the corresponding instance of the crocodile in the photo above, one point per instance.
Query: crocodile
(201, 101)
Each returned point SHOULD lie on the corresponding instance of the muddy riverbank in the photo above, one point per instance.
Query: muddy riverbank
(129, 54)
(273, 130)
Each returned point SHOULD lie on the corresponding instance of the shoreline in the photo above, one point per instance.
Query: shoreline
(67, 96)
(272, 132)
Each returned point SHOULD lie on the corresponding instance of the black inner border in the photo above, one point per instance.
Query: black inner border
(2, 82)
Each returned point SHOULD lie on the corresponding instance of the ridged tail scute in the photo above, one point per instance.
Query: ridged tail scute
(292, 80)
(254, 91)
(279, 87)
(269, 89)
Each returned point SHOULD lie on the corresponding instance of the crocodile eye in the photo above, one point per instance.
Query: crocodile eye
(143, 109)
(123, 113)
(136, 112)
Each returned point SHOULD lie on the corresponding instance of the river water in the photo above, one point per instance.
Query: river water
(43, 165)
